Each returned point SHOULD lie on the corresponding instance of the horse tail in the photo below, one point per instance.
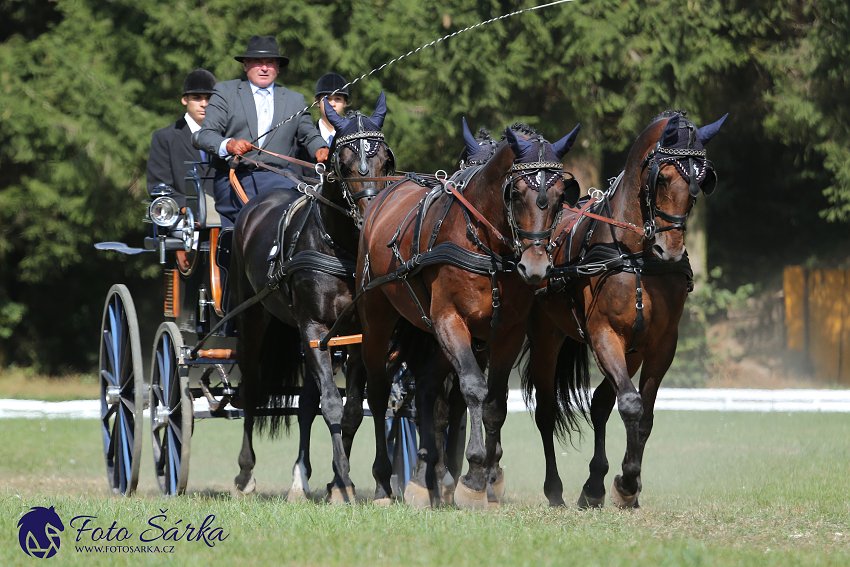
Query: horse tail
(572, 386)
(281, 371)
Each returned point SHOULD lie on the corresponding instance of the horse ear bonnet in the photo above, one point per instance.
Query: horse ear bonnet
(350, 125)
(670, 135)
(562, 146)
(521, 148)
(680, 133)
(338, 122)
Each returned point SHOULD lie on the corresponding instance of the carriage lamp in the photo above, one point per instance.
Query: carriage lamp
(164, 211)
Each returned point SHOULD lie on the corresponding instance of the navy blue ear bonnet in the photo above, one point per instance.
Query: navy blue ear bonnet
(682, 144)
(479, 148)
(543, 160)
(355, 121)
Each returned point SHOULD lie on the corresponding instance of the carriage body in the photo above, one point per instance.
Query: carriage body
(183, 383)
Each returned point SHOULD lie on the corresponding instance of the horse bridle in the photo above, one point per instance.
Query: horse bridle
(365, 144)
(540, 176)
(691, 164)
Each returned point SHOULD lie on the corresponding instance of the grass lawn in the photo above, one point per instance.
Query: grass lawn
(719, 489)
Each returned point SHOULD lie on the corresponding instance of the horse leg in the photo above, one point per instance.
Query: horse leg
(545, 343)
(654, 368)
(611, 358)
(377, 332)
(455, 340)
(244, 482)
(308, 408)
(442, 413)
(355, 381)
(424, 490)
(252, 327)
(340, 489)
(601, 404)
(503, 353)
(455, 439)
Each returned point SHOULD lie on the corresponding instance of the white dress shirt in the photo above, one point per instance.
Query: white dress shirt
(327, 135)
(258, 100)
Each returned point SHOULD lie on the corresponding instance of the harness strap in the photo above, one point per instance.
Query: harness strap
(234, 182)
(639, 326)
(457, 194)
(619, 224)
(443, 253)
(567, 229)
(287, 158)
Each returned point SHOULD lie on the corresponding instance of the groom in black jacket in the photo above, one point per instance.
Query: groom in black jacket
(242, 114)
(172, 146)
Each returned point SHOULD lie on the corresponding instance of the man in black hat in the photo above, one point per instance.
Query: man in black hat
(242, 114)
(172, 146)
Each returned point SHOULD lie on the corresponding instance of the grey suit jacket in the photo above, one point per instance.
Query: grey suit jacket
(232, 114)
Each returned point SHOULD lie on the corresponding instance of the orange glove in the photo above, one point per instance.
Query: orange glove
(238, 147)
(322, 154)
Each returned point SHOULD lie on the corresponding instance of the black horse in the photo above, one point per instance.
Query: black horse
(307, 243)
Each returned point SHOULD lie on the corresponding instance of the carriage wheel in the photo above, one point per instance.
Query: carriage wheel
(122, 391)
(171, 411)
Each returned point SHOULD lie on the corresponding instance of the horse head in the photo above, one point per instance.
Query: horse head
(359, 151)
(533, 194)
(669, 159)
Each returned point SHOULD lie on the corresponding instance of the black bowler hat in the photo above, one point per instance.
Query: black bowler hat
(262, 47)
(199, 81)
(330, 83)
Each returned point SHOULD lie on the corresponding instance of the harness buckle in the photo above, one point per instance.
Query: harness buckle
(649, 229)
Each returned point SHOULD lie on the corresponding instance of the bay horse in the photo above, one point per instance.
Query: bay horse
(618, 288)
(434, 264)
(308, 243)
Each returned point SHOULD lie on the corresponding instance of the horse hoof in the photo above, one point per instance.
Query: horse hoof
(469, 499)
(338, 496)
(417, 496)
(383, 502)
(620, 500)
(296, 495)
(448, 495)
(246, 490)
(584, 501)
(499, 485)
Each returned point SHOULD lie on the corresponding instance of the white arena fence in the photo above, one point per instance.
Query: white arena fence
(675, 399)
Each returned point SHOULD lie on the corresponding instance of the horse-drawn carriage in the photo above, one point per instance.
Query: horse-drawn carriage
(187, 382)
(454, 274)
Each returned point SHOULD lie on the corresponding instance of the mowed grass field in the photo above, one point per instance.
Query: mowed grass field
(719, 489)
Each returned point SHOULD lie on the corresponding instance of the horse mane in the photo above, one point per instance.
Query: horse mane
(522, 128)
(670, 113)
(483, 136)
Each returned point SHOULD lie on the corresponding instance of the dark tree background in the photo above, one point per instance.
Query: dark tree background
(84, 83)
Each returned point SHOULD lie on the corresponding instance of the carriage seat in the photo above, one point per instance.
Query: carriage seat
(201, 202)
